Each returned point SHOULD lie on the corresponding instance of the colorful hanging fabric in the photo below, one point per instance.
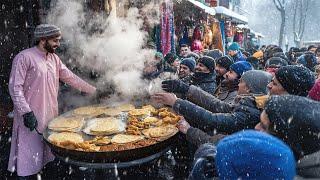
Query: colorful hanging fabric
(167, 27)
(223, 35)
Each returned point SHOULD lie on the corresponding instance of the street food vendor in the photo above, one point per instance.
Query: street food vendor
(33, 86)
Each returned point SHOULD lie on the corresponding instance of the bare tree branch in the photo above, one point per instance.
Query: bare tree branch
(294, 18)
(305, 17)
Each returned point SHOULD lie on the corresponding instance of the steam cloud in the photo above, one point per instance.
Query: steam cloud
(113, 46)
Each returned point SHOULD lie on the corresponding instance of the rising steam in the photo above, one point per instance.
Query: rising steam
(112, 46)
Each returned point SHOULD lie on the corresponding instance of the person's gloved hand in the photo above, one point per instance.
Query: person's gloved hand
(30, 120)
(175, 86)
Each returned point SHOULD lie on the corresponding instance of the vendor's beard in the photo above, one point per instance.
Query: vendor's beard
(49, 48)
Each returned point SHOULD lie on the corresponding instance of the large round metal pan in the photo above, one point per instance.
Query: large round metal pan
(110, 156)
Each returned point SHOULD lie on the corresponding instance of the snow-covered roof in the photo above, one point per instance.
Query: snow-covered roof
(207, 9)
(233, 15)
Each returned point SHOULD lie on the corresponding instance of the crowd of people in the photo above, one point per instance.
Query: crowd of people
(224, 98)
(249, 115)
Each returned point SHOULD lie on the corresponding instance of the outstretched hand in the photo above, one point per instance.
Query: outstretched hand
(164, 98)
(183, 126)
(175, 86)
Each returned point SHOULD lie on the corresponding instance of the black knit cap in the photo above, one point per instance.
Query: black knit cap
(276, 62)
(296, 80)
(225, 62)
(208, 62)
(295, 120)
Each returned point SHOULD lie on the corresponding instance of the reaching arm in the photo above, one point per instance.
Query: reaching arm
(222, 122)
(207, 101)
(73, 80)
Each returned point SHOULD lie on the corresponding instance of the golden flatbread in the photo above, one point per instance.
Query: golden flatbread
(162, 131)
(100, 141)
(126, 107)
(124, 138)
(139, 112)
(112, 111)
(66, 123)
(104, 126)
(58, 138)
(89, 110)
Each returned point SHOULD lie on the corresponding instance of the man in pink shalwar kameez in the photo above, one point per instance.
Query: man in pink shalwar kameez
(33, 85)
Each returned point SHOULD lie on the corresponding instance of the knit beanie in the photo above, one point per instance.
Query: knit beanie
(258, 54)
(170, 58)
(257, 81)
(215, 53)
(254, 155)
(190, 62)
(225, 62)
(296, 80)
(295, 120)
(46, 30)
(276, 62)
(240, 67)
(234, 47)
(208, 62)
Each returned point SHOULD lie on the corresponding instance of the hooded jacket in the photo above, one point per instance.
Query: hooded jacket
(295, 120)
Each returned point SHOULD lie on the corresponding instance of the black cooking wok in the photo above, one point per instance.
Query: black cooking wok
(110, 156)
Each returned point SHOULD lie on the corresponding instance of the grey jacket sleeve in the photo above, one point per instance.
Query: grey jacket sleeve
(208, 121)
(207, 101)
(198, 137)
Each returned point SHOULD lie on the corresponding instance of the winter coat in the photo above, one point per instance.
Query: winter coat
(314, 93)
(238, 57)
(220, 116)
(197, 137)
(227, 91)
(34, 86)
(187, 79)
(309, 166)
(203, 165)
(295, 120)
(208, 101)
(206, 83)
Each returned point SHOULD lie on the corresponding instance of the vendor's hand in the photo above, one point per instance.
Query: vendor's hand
(30, 120)
(175, 86)
(165, 98)
(183, 126)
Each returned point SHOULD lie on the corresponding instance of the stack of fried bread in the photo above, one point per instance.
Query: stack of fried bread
(69, 124)
(104, 126)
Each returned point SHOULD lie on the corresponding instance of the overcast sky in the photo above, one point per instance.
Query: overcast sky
(265, 18)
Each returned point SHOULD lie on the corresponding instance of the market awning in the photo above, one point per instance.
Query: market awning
(233, 15)
(207, 9)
